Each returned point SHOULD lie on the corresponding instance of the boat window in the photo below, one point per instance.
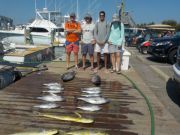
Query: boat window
(38, 30)
(60, 30)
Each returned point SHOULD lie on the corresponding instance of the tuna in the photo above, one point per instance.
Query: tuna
(90, 108)
(53, 91)
(96, 80)
(51, 98)
(94, 100)
(92, 91)
(90, 95)
(68, 76)
(47, 106)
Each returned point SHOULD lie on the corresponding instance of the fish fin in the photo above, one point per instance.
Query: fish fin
(61, 132)
(37, 113)
(79, 115)
(53, 94)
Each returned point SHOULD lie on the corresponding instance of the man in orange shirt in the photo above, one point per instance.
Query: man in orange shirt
(72, 29)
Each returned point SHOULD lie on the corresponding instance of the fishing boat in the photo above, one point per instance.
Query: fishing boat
(46, 29)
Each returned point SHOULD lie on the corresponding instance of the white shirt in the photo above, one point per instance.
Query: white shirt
(87, 33)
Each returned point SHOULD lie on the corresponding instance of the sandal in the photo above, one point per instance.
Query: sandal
(118, 72)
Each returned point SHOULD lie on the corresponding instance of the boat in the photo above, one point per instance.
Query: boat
(46, 29)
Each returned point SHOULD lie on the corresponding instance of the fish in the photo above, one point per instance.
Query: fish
(47, 106)
(51, 98)
(91, 88)
(53, 91)
(44, 132)
(90, 108)
(92, 91)
(94, 100)
(54, 87)
(52, 84)
(68, 76)
(87, 132)
(96, 80)
(78, 119)
(90, 95)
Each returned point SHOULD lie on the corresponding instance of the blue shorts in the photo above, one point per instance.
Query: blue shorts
(87, 48)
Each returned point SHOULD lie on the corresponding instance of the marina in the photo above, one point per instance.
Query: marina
(41, 94)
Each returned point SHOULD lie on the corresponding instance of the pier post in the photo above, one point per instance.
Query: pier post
(28, 38)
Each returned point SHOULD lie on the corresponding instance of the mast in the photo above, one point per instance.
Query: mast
(55, 5)
(77, 12)
(35, 6)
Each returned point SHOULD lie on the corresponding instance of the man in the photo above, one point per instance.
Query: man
(101, 34)
(88, 40)
(72, 30)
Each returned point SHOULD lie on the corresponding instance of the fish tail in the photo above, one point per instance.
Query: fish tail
(78, 114)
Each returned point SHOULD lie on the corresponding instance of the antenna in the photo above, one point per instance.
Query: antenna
(45, 3)
(55, 5)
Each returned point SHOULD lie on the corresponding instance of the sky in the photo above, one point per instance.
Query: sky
(142, 11)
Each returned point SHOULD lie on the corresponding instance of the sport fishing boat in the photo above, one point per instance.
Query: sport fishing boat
(46, 29)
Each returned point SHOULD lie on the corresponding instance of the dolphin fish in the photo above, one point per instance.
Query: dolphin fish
(96, 80)
(87, 132)
(68, 76)
(44, 132)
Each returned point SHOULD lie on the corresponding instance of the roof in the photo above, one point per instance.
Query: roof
(42, 24)
(160, 27)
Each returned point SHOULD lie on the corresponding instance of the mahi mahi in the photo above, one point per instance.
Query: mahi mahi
(44, 132)
(87, 132)
(78, 119)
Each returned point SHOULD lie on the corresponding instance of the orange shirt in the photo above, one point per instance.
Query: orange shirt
(72, 37)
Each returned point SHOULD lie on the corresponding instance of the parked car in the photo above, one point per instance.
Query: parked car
(143, 47)
(165, 47)
(176, 68)
(134, 36)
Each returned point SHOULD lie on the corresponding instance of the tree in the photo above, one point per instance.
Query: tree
(178, 27)
(173, 23)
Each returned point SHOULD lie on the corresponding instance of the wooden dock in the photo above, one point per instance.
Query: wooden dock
(125, 114)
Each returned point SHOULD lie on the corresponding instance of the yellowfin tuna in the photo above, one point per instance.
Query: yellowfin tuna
(44, 132)
(78, 119)
(87, 132)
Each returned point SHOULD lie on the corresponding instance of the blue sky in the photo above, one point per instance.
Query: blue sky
(21, 11)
